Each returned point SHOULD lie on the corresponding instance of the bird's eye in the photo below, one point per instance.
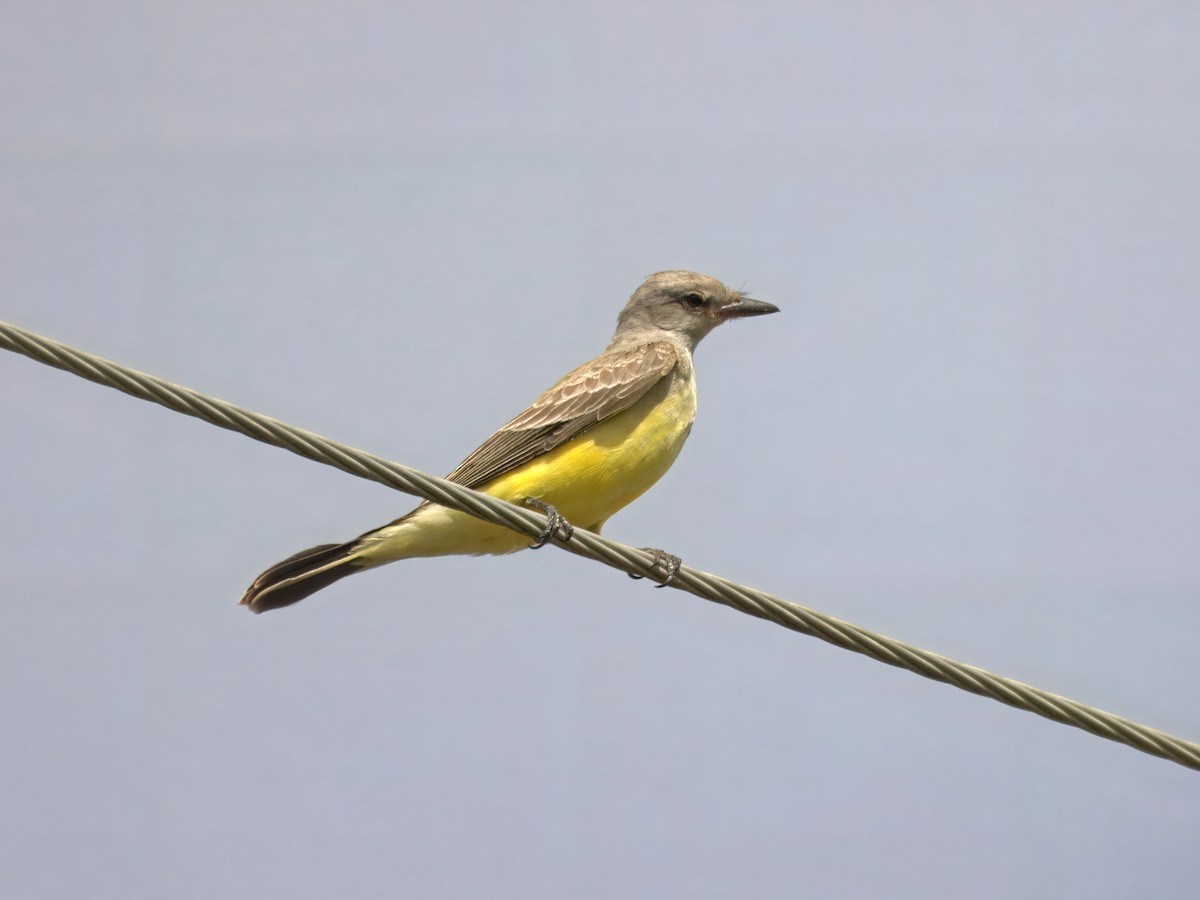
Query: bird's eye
(693, 300)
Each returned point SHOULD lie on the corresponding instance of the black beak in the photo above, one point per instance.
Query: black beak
(744, 307)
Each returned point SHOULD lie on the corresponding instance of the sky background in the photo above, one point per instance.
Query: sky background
(972, 427)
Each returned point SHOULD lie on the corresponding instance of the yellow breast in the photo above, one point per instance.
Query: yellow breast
(592, 476)
(587, 479)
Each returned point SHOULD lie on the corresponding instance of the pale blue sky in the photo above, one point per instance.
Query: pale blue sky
(973, 427)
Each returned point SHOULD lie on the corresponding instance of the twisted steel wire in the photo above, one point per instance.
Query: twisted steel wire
(709, 587)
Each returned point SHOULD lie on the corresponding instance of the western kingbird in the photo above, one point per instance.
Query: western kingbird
(588, 446)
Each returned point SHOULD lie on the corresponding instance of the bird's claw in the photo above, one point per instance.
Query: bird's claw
(555, 521)
(669, 562)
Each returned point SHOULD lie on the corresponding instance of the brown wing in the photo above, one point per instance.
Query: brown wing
(590, 394)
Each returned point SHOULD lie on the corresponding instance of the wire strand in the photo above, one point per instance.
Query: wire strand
(583, 543)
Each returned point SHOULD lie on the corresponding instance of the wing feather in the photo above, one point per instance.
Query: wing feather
(584, 397)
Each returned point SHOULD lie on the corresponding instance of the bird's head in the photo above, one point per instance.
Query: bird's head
(685, 304)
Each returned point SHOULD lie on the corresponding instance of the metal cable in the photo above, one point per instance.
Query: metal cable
(619, 556)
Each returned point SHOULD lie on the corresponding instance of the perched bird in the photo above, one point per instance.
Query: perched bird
(594, 442)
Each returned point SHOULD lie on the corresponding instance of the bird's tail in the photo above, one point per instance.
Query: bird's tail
(298, 576)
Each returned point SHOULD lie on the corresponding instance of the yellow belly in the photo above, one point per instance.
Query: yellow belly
(586, 479)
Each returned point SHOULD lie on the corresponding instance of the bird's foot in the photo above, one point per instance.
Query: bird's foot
(669, 562)
(555, 521)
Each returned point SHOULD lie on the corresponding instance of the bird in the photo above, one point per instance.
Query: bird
(591, 444)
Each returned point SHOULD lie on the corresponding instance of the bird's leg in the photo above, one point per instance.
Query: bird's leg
(669, 562)
(554, 521)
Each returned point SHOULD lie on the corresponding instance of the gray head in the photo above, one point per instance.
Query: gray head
(685, 304)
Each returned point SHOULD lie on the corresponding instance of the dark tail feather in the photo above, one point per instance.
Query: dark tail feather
(298, 576)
